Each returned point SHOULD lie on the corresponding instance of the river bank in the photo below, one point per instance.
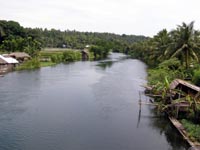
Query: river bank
(180, 101)
(180, 127)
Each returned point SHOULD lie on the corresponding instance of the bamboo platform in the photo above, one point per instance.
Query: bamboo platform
(180, 128)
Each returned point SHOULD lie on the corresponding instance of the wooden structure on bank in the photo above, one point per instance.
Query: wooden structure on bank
(185, 87)
(180, 92)
(7, 64)
(177, 96)
(85, 54)
(182, 131)
(20, 56)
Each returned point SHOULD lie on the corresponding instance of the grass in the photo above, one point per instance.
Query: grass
(47, 54)
(56, 55)
(56, 49)
(50, 57)
(46, 64)
(30, 64)
(192, 129)
(34, 64)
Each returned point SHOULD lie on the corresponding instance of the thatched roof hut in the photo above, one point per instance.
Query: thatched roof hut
(20, 56)
(85, 54)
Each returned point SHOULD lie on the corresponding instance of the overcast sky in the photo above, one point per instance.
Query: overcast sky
(139, 17)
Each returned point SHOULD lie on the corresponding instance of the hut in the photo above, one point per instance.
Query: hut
(180, 90)
(7, 64)
(85, 54)
(185, 87)
(20, 56)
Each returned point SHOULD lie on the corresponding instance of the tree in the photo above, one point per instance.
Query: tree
(184, 43)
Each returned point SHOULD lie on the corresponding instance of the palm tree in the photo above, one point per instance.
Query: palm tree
(161, 41)
(184, 43)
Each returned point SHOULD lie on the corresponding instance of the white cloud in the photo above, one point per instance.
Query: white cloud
(144, 17)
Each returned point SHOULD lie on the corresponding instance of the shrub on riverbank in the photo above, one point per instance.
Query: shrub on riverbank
(30, 64)
(60, 55)
(71, 55)
(196, 76)
(169, 69)
(50, 58)
(46, 64)
(99, 52)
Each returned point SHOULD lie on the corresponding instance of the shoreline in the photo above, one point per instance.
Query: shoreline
(194, 145)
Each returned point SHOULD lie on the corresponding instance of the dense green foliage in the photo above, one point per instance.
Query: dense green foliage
(49, 58)
(14, 37)
(171, 54)
(196, 77)
(69, 56)
(181, 43)
(192, 129)
(58, 56)
(168, 69)
(30, 64)
(99, 52)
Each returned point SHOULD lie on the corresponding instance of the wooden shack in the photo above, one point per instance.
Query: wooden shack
(185, 87)
(85, 54)
(7, 64)
(180, 90)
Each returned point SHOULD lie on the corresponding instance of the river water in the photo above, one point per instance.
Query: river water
(82, 106)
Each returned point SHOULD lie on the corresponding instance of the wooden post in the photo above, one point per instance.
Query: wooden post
(177, 111)
(140, 100)
(139, 115)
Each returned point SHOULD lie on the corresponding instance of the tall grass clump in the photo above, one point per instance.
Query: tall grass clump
(30, 64)
(70, 55)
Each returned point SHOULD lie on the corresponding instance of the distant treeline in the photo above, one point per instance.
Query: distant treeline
(14, 37)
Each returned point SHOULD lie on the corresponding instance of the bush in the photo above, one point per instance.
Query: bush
(56, 58)
(30, 64)
(159, 75)
(171, 64)
(99, 52)
(196, 77)
(70, 55)
(171, 69)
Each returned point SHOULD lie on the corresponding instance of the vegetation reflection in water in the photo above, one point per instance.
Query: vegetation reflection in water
(79, 106)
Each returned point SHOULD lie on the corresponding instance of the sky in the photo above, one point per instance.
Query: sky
(137, 17)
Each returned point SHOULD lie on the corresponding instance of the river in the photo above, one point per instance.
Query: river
(82, 106)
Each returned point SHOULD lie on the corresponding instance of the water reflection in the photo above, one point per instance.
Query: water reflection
(165, 128)
(112, 59)
(106, 64)
(78, 106)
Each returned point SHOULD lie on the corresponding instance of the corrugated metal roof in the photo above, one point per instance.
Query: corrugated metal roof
(8, 60)
(2, 61)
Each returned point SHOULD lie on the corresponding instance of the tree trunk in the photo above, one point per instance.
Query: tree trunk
(186, 59)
